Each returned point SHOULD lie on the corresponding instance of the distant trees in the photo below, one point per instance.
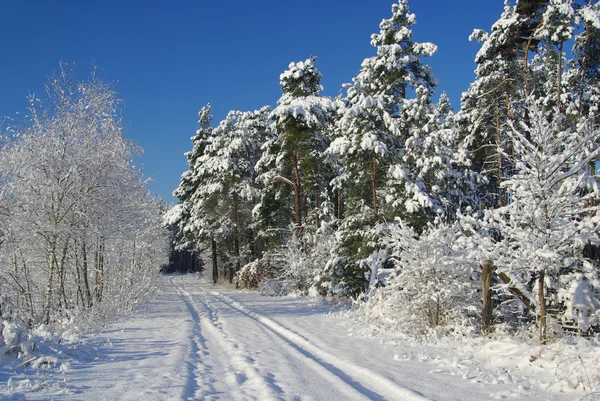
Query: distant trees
(78, 231)
(386, 196)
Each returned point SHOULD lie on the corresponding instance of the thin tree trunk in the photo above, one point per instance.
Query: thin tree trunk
(499, 157)
(486, 284)
(526, 66)
(339, 204)
(236, 242)
(84, 273)
(317, 209)
(78, 279)
(297, 192)
(373, 180)
(403, 96)
(213, 247)
(542, 301)
(61, 276)
(583, 66)
(28, 295)
(51, 268)
(99, 283)
(559, 79)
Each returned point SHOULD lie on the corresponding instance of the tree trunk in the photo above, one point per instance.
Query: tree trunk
(215, 270)
(339, 204)
(373, 188)
(84, 274)
(486, 284)
(99, 284)
(236, 242)
(51, 267)
(297, 192)
(499, 157)
(559, 79)
(28, 295)
(61, 276)
(542, 301)
(526, 66)
(317, 207)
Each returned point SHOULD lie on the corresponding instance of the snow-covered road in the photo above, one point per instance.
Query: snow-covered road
(198, 342)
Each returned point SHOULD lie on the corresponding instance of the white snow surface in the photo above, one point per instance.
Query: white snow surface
(196, 341)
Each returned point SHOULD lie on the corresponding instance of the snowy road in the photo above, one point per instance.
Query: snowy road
(197, 342)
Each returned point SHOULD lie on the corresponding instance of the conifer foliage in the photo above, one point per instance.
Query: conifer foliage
(429, 219)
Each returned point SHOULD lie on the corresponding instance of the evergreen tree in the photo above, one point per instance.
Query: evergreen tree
(295, 157)
(180, 214)
(377, 136)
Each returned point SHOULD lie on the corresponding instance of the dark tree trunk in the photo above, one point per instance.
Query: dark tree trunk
(213, 247)
(373, 179)
(297, 192)
(542, 301)
(236, 241)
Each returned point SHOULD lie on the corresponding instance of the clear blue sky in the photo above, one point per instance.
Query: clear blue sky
(170, 58)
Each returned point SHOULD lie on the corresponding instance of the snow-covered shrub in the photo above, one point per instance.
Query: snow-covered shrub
(254, 273)
(537, 239)
(428, 285)
(303, 263)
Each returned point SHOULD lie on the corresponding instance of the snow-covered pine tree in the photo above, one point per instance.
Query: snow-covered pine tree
(584, 76)
(381, 135)
(495, 97)
(179, 215)
(294, 162)
(218, 192)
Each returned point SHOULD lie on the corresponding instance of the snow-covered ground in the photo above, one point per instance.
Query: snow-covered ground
(199, 342)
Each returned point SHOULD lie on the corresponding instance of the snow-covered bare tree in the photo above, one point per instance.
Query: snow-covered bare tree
(79, 230)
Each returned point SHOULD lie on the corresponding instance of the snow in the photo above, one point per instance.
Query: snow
(199, 341)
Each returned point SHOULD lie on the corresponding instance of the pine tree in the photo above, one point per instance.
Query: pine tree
(295, 157)
(373, 141)
(180, 215)
(226, 170)
(494, 98)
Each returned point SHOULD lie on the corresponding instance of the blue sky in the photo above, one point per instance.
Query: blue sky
(170, 58)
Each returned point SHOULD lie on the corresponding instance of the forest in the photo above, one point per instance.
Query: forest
(480, 220)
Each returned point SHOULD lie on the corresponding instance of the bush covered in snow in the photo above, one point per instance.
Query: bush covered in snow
(253, 274)
(419, 282)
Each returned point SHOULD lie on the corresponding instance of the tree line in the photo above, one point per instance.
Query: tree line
(486, 217)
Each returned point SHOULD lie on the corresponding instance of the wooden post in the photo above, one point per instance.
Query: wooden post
(486, 286)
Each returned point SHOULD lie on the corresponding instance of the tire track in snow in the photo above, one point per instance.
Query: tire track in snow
(198, 369)
(361, 379)
(338, 380)
(242, 374)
